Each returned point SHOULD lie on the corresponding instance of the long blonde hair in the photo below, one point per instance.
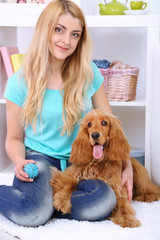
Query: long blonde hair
(76, 70)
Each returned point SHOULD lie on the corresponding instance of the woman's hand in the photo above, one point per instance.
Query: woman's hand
(127, 178)
(20, 174)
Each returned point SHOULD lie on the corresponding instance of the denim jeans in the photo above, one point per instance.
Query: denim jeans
(31, 203)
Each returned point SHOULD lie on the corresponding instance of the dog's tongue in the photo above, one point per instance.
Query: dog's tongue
(97, 151)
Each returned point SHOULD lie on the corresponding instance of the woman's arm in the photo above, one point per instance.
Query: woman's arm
(127, 177)
(14, 140)
(100, 101)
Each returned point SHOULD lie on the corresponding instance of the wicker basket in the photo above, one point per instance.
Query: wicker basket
(120, 84)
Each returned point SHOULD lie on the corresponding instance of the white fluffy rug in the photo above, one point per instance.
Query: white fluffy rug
(59, 229)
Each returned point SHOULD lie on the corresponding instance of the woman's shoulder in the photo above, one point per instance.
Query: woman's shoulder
(97, 76)
(16, 89)
(94, 66)
(96, 72)
(17, 81)
(97, 80)
(17, 77)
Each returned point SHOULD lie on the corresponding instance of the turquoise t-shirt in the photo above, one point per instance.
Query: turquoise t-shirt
(48, 139)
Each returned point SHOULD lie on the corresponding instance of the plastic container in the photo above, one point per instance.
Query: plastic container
(138, 153)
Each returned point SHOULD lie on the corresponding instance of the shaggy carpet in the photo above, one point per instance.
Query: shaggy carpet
(60, 229)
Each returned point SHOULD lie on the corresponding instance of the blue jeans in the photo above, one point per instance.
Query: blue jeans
(31, 203)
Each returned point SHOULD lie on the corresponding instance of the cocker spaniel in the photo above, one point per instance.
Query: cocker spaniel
(97, 153)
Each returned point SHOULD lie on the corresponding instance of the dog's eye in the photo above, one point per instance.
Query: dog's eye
(89, 124)
(104, 123)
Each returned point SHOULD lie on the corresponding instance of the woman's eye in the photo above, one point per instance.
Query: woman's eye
(57, 29)
(76, 35)
(104, 123)
(89, 124)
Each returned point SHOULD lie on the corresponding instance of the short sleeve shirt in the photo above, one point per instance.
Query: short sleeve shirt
(48, 138)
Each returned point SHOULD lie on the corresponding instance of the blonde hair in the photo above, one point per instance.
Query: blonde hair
(76, 70)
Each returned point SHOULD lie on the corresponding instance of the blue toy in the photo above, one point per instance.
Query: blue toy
(31, 169)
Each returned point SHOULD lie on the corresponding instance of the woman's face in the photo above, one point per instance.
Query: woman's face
(65, 37)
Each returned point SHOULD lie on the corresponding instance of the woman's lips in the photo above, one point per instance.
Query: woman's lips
(62, 48)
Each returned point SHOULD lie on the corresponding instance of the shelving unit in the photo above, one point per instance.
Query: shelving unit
(15, 16)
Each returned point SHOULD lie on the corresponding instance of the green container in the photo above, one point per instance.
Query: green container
(112, 8)
(138, 153)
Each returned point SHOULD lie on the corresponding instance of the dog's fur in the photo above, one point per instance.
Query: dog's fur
(107, 168)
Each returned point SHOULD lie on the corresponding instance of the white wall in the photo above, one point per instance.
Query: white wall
(155, 113)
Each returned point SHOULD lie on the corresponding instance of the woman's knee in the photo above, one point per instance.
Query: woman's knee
(36, 203)
(33, 218)
(44, 169)
(94, 200)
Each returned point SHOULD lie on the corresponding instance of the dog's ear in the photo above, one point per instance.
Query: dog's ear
(81, 149)
(118, 148)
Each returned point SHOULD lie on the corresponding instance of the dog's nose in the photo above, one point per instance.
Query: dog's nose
(95, 135)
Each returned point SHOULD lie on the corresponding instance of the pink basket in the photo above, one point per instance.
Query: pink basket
(120, 84)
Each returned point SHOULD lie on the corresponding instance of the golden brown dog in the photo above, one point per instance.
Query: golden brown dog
(97, 153)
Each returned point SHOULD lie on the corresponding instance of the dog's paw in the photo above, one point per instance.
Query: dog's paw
(55, 180)
(62, 203)
(130, 223)
(147, 198)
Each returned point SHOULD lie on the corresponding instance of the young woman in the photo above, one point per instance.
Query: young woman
(45, 102)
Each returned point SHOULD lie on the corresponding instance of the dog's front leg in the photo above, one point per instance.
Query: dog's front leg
(124, 214)
(63, 185)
